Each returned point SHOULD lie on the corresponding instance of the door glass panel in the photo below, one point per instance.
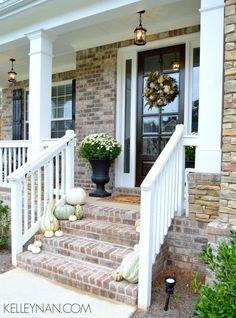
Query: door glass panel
(150, 146)
(150, 125)
(173, 107)
(146, 109)
(151, 63)
(168, 124)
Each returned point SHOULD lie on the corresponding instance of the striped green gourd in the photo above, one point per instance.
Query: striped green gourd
(130, 266)
(79, 212)
(63, 212)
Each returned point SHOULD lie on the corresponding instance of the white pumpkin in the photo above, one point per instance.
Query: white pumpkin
(37, 243)
(76, 196)
(48, 234)
(30, 246)
(58, 233)
(72, 218)
(36, 250)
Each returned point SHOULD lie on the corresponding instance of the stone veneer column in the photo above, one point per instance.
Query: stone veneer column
(228, 179)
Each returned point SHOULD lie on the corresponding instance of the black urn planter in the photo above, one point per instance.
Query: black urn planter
(100, 176)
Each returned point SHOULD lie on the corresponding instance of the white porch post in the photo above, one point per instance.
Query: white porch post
(39, 90)
(208, 153)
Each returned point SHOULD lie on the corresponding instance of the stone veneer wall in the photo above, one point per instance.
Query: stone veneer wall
(204, 192)
(6, 132)
(228, 178)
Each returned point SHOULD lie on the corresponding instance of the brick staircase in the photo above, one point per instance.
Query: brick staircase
(89, 252)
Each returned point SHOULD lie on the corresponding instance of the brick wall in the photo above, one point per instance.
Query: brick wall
(204, 191)
(185, 240)
(228, 179)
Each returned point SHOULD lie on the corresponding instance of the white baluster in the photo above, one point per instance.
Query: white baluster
(26, 210)
(57, 177)
(32, 200)
(63, 172)
(51, 179)
(39, 204)
(14, 158)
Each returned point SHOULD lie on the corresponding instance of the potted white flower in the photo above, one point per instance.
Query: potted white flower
(100, 149)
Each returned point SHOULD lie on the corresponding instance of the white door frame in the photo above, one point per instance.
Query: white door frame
(131, 53)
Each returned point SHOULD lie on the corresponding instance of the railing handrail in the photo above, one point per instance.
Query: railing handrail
(13, 143)
(162, 159)
(45, 156)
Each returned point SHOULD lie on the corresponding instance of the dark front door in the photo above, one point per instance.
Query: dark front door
(155, 126)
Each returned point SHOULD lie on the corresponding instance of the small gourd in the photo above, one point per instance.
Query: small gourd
(137, 223)
(79, 212)
(76, 196)
(138, 229)
(36, 250)
(63, 212)
(48, 234)
(129, 267)
(30, 246)
(49, 222)
(37, 243)
(72, 218)
(58, 233)
(117, 277)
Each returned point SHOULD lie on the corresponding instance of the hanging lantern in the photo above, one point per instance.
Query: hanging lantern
(12, 74)
(140, 31)
(175, 65)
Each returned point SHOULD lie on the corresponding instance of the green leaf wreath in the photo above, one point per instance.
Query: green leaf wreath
(161, 89)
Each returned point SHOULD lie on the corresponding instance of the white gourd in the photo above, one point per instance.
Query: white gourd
(36, 250)
(48, 234)
(30, 247)
(37, 243)
(72, 218)
(129, 267)
(49, 222)
(58, 233)
(76, 196)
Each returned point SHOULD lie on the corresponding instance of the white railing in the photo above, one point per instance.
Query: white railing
(161, 198)
(34, 184)
(13, 154)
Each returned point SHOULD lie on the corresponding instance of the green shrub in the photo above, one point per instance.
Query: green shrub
(4, 225)
(219, 300)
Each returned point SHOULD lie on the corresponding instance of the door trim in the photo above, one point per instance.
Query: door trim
(131, 52)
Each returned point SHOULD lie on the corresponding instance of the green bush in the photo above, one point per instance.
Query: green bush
(219, 300)
(4, 225)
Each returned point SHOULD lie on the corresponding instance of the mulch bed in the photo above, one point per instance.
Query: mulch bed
(181, 305)
(5, 261)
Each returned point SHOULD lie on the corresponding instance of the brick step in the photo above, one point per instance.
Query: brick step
(122, 234)
(82, 248)
(85, 276)
(111, 214)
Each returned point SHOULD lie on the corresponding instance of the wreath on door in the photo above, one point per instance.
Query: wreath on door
(160, 90)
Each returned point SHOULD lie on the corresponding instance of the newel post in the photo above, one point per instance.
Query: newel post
(16, 219)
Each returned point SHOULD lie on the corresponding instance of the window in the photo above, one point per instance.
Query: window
(195, 88)
(62, 115)
(62, 119)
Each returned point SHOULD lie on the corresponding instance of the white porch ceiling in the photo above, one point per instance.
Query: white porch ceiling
(77, 24)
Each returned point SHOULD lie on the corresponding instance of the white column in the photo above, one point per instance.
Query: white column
(208, 153)
(39, 90)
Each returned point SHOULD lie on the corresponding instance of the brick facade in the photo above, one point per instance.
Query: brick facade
(228, 179)
(204, 191)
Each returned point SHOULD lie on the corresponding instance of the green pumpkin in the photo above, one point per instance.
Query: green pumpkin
(79, 212)
(63, 212)
(117, 277)
(48, 221)
(129, 267)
